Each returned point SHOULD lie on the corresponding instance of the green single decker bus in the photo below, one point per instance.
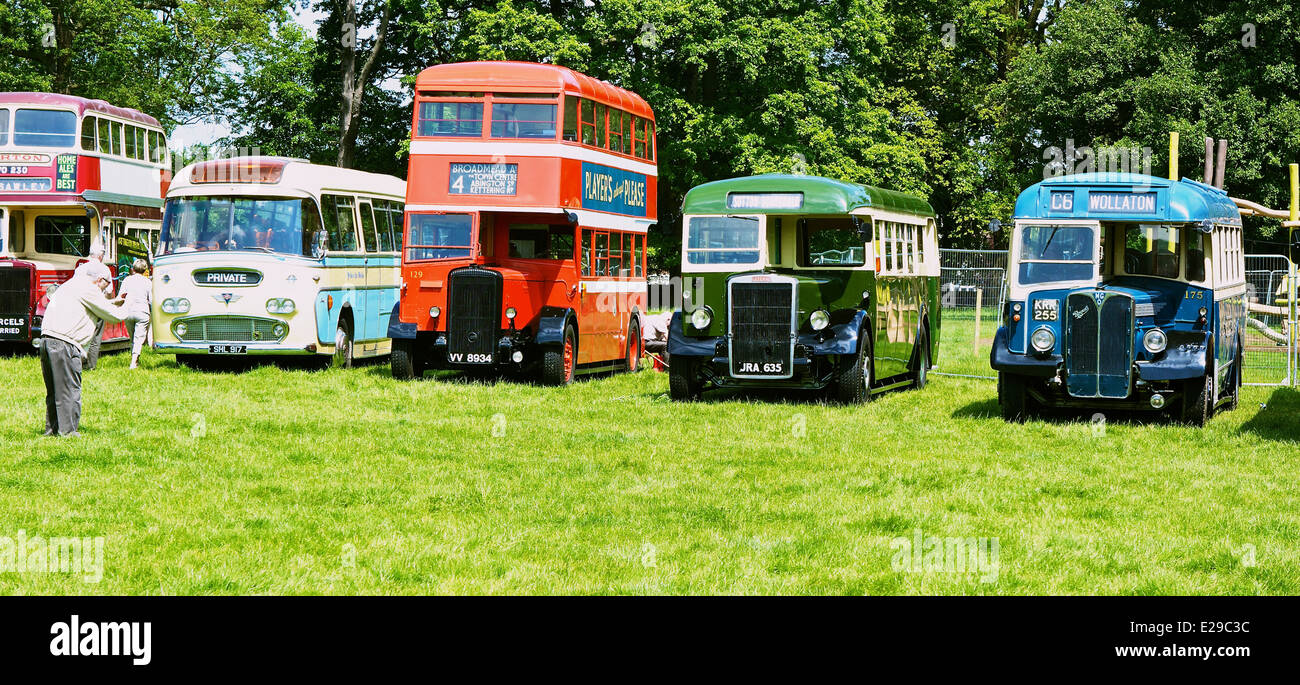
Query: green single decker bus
(805, 282)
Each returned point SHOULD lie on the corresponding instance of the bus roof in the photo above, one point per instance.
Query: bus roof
(523, 77)
(279, 172)
(1127, 197)
(82, 105)
(820, 196)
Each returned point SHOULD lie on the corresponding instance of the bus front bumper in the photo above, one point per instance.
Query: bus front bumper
(261, 349)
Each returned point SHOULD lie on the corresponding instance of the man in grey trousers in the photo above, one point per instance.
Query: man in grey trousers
(94, 257)
(75, 310)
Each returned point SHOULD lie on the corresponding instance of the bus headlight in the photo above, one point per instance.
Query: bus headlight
(175, 305)
(702, 317)
(279, 330)
(435, 312)
(181, 329)
(1155, 341)
(511, 313)
(280, 305)
(819, 319)
(1043, 340)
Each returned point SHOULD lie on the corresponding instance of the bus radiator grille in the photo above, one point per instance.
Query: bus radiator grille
(1099, 344)
(222, 329)
(473, 315)
(761, 327)
(15, 298)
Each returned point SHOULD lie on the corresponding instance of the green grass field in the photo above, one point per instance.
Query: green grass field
(292, 481)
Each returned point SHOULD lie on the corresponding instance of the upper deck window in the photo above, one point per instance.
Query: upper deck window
(4, 126)
(1152, 250)
(523, 120)
(45, 128)
(451, 119)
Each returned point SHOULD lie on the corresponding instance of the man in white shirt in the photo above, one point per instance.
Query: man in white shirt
(137, 291)
(95, 256)
(75, 310)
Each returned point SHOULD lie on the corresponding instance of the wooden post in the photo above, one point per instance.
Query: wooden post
(979, 305)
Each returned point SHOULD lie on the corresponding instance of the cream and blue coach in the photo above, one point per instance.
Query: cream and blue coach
(1126, 292)
(276, 256)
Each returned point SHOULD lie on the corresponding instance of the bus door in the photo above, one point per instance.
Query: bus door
(595, 307)
(367, 302)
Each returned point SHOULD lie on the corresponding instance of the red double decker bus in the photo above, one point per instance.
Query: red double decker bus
(530, 191)
(74, 174)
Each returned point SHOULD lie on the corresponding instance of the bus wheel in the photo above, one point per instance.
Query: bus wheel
(1014, 397)
(558, 362)
(852, 383)
(633, 346)
(403, 361)
(1198, 400)
(922, 362)
(683, 379)
(1234, 390)
(342, 358)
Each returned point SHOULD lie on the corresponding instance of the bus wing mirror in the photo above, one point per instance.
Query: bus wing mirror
(319, 243)
(864, 229)
(995, 226)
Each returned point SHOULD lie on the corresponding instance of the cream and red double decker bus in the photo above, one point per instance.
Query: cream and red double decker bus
(74, 174)
(530, 191)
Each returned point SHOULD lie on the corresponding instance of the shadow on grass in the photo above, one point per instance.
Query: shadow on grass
(990, 409)
(1279, 418)
(526, 377)
(241, 364)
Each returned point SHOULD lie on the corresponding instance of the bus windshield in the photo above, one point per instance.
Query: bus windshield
(440, 236)
(722, 240)
(282, 225)
(1055, 253)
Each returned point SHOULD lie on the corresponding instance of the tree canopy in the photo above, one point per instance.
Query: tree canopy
(958, 101)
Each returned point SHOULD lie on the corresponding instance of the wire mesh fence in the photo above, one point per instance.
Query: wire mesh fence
(1269, 357)
(972, 285)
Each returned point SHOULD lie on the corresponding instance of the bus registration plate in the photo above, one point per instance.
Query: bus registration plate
(227, 349)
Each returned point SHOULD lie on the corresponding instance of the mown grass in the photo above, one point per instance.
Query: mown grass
(341, 482)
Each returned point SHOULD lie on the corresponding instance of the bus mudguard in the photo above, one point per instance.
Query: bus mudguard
(1183, 358)
(551, 323)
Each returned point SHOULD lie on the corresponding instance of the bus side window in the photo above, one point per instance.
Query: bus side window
(638, 259)
(88, 133)
(588, 122)
(602, 132)
(105, 136)
(398, 211)
(571, 118)
(1196, 256)
(17, 232)
(588, 237)
(615, 267)
(368, 227)
(384, 225)
(339, 223)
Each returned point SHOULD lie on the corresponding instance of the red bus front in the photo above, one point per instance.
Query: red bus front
(530, 191)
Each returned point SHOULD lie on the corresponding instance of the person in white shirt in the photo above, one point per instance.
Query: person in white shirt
(75, 310)
(137, 291)
(95, 257)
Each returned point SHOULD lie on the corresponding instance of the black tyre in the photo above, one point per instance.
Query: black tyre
(852, 382)
(1013, 396)
(922, 372)
(559, 362)
(403, 361)
(1234, 389)
(1198, 401)
(342, 358)
(684, 379)
(633, 347)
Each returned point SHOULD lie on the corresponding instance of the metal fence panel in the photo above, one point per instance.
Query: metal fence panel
(1269, 357)
(972, 287)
